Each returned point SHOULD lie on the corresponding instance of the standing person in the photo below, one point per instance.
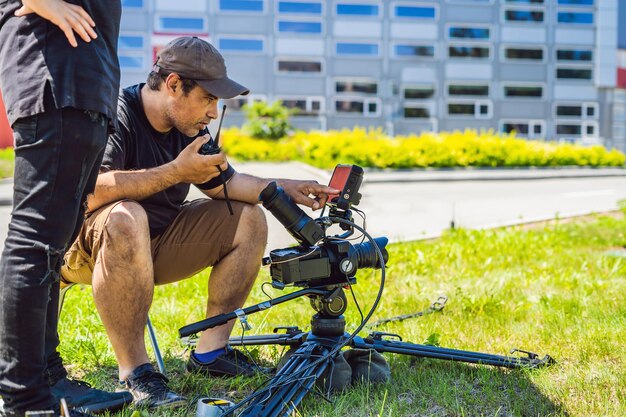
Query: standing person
(59, 76)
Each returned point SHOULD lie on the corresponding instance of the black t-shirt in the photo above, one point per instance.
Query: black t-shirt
(35, 53)
(136, 145)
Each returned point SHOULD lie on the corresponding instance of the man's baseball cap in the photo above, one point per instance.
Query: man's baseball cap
(195, 59)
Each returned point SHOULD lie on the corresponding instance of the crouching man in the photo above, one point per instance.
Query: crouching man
(140, 231)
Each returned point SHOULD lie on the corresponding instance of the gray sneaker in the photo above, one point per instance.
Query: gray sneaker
(149, 389)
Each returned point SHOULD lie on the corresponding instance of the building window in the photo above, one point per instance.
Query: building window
(365, 107)
(408, 51)
(468, 90)
(237, 103)
(132, 4)
(467, 51)
(478, 109)
(575, 2)
(575, 18)
(132, 62)
(241, 5)
(299, 66)
(570, 128)
(527, 128)
(527, 2)
(350, 9)
(355, 86)
(523, 16)
(579, 111)
(418, 92)
(477, 2)
(574, 73)
(308, 28)
(181, 24)
(357, 49)
(456, 32)
(523, 91)
(240, 45)
(294, 7)
(416, 112)
(415, 12)
(130, 42)
(304, 106)
(574, 55)
(523, 54)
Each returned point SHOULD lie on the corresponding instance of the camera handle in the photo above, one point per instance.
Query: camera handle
(218, 320)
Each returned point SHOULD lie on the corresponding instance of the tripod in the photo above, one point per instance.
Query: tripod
(316, 349)
(323, 270)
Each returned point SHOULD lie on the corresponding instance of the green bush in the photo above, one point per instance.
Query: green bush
(372, 148)
(267, 121)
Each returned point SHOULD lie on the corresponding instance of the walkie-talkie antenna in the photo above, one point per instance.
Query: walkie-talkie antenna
(216, 143)
(219, 126)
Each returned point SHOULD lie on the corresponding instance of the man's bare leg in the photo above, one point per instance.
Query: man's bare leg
(233, 276)
(123, 284)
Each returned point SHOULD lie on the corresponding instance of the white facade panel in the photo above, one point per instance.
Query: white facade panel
(606, 77)
(422, 31)
(357, 29)
(523, 35)
(468, 71)
(582, 36)
(299, 46)
(418, 75)
(181, 6)
(575, 92)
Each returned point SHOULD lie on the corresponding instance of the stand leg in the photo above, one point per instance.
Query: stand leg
(376, 342)
(294, 381)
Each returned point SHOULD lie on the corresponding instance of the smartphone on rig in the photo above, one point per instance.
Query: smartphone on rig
(347, 179)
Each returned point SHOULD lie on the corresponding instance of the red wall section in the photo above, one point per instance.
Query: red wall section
(6, 134)
(621, 77)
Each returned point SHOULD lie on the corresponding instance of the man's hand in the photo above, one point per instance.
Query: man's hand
(302, 191)
(194, 168)
(68, 17)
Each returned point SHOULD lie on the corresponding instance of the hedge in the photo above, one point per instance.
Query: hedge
(372, 148)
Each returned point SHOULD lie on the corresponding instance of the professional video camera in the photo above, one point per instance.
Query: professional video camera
(335, 259)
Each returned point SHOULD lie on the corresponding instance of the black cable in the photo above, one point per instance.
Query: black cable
(230, 207)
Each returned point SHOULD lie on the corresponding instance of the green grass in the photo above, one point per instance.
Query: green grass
(557, 289)
(7, 160)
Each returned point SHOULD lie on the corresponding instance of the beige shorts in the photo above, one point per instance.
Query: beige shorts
(201, 234)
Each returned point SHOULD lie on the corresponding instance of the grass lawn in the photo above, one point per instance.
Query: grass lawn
(557, 289)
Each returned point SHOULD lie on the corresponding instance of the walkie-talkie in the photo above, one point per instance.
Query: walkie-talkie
(212, 147)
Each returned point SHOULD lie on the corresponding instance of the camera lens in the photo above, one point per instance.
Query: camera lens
(298, 224)
(366, 253)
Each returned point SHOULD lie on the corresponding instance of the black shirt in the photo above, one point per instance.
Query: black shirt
(35, 53)
(136, 145)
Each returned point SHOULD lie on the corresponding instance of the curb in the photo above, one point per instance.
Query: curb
(538, 219)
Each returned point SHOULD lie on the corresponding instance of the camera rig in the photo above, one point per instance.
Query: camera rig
(323, 266)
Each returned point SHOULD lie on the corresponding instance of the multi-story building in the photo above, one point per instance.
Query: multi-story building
(619, 98)
(545, 68)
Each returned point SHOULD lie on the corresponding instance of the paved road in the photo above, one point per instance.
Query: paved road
(418, 204)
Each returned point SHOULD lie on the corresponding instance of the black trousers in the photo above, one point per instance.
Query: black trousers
(57, 159)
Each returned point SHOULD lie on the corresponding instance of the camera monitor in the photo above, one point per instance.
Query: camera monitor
(346, 178)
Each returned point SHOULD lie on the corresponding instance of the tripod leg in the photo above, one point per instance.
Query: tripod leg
(412, 349)
(291, 384)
